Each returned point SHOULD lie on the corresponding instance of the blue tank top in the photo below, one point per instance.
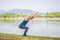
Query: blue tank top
(23, 23)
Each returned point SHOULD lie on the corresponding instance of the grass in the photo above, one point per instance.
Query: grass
(4, 36)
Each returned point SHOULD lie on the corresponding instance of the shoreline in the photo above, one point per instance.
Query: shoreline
(20, 37)
(21, 18)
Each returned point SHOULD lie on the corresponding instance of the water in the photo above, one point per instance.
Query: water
(36, 27)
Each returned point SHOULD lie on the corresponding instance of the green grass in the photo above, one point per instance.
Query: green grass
(4, 36)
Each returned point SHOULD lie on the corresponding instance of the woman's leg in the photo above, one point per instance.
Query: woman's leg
(26, 29)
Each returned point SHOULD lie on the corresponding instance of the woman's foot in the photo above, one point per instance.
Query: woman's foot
(24, 35)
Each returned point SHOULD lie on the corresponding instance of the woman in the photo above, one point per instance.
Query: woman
(22, 25)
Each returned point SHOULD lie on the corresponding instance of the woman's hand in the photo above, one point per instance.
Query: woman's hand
(32, 16)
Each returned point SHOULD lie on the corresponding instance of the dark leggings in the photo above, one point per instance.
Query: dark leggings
(26, 29)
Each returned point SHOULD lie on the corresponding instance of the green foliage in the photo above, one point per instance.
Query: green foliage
(7, 15)
(53, 14)
(13, 15)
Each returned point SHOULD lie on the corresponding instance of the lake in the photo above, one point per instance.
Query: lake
(36, 27)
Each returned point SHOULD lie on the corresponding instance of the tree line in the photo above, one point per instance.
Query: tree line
(53, 14)
(15, 15)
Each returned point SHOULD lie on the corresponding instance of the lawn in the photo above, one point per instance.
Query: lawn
(4, 36)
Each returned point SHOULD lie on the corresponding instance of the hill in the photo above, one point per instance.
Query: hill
(26, 11)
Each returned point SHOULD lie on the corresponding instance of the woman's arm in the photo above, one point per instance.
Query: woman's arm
(31, 17)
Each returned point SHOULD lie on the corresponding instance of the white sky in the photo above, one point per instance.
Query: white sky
(36, 5)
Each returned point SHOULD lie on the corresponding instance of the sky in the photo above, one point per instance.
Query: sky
(36, 5)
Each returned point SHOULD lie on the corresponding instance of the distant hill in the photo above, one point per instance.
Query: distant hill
(16, 11)
(2, 11)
